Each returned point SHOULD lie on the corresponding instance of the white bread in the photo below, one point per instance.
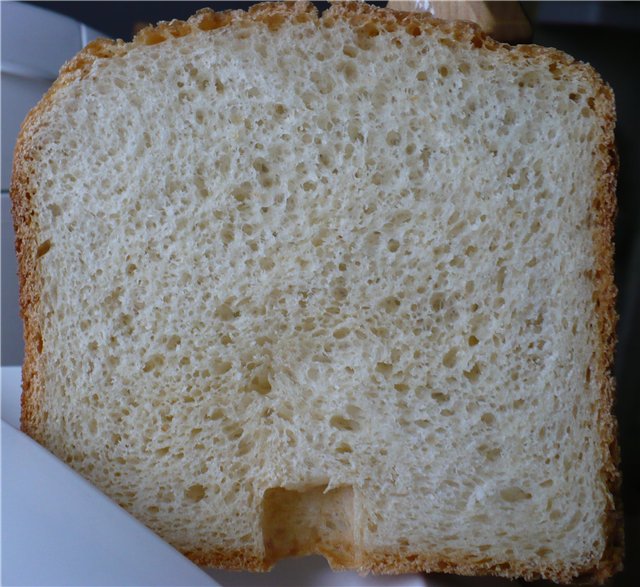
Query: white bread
(335, 284)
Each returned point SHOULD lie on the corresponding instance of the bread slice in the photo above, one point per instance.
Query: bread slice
(335, 284)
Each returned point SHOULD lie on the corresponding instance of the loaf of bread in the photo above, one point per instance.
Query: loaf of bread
(340, 284)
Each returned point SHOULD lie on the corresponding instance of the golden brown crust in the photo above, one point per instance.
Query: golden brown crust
(399, 563)
(465, 564)
(370, 22)
(604, 210)
(232, 559)
(23, 193)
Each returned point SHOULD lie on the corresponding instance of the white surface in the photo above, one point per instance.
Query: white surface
(11, 389)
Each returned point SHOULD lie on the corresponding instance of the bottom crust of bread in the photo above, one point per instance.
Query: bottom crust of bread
(390, 563)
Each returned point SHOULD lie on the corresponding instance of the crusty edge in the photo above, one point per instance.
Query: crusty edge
(234, 559)
(369, 21)
(465, 564)
(25, 221)
(378, 562)
(604, 211)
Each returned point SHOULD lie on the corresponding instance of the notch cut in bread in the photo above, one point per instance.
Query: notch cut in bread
(335, 284)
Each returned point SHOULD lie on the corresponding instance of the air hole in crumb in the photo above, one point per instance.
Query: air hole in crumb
(43, 249)
(260, 383)
(40, 343)
(473, 374)
(354, 132)
(266, 263)
(221, 367)
(488, 419)
(224, 312)
(349, 70)
(343, 447)
(173, 342)
(514, 494)
(489, 453)
(437, 302)
(370, 28)
(260, 165)
(195, 493)
(393, 245)
(342, 423)
(393, 138)
(385, 368)
(153, 363)
(450, 358)
(341, 333)
(390, 304)
(242, 192)
(350, 51)
(325, 158)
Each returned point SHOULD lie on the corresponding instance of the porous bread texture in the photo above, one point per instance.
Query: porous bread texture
(342, 285)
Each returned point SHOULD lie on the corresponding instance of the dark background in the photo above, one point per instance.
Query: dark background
(605, 34)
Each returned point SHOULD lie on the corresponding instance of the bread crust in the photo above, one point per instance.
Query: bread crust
(604, 211)
(369, 21)
(25, 222)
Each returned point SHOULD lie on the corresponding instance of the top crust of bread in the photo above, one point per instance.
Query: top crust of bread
(370, 21)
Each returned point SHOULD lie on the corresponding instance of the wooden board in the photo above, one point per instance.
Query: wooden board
(504, 21)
